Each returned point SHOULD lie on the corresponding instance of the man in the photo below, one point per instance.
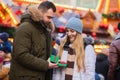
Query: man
(32, 43)
(114, 58)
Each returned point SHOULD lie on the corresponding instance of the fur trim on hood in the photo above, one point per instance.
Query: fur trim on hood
(36, 15)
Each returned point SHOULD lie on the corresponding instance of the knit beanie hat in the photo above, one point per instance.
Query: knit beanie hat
(6, 47)
(4, 36)
(75, 24)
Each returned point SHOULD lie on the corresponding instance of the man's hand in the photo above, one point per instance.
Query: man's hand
(52, 65)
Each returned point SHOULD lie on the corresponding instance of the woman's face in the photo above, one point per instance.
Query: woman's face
(71, 34)
(2, 54)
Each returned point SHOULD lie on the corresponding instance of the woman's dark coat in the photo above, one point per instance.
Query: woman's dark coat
(102, 65)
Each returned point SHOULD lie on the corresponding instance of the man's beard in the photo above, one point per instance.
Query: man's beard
(47, 24)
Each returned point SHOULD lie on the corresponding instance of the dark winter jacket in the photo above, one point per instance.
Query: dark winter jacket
(31, 49)
(102, 65)
(114, 57)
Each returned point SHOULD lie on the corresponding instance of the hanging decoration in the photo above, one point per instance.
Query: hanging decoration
(115, 14)
(103, 26)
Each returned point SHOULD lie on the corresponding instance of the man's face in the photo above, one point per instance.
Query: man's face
(48, 15)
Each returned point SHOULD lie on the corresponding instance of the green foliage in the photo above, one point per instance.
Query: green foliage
(114, 15)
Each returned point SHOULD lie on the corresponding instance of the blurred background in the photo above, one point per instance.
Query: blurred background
(99, 17)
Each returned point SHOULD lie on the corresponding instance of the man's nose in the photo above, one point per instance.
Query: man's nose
(50, 20)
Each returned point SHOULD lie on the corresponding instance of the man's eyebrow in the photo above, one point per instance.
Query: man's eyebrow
(50, 17)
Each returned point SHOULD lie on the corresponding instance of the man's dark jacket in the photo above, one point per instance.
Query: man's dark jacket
(31, 49)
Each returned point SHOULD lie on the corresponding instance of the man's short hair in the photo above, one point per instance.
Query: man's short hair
(47, 5)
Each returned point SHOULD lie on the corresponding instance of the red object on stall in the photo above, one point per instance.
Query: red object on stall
(61, 29)
(61, 10)
(94, 35)
(106, 26)
(18, 12)
(103, 26)
(116, 29)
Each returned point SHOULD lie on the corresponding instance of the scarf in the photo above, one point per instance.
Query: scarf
(70, 64)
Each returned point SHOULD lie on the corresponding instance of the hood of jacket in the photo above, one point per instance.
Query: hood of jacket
(34, 14)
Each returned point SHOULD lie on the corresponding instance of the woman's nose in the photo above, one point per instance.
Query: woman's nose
(69, 33)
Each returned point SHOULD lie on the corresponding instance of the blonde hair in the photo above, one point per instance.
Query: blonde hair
(78, 46)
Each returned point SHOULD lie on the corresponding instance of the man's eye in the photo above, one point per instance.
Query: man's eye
(49, 17)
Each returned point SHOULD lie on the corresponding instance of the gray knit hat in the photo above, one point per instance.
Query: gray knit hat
(75, 24)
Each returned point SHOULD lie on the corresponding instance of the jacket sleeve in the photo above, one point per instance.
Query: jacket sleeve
(90, 59)
(21, 51)
(113, 60)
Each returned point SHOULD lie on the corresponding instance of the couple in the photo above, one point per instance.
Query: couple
(32, 48)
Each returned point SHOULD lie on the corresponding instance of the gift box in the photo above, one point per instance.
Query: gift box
(55, 59)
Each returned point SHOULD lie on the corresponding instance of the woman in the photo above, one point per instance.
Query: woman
(80, 60)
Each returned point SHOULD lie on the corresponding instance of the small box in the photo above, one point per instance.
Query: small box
(62, 65)
(54, 59)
